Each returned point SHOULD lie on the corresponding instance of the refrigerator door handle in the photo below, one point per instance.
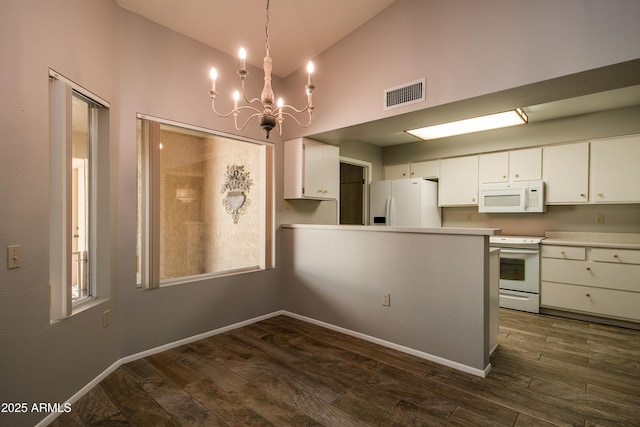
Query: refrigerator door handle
(386, 210)
(390, 210)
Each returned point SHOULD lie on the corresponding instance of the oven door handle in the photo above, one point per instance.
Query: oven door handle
(519, 251)
(517, 297)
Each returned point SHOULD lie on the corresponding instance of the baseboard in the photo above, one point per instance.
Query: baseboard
(84, 390)
(198, 337)
(437, 359)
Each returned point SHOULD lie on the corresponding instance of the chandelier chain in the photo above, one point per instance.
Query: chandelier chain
(266, 30)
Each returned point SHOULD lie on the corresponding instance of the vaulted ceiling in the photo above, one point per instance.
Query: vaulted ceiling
(299, 30)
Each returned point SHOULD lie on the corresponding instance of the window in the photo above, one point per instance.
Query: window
(78, 125)
(204, 204)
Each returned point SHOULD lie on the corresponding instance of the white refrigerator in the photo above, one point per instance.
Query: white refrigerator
(405, 202)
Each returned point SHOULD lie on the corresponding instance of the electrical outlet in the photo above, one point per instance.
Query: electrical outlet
(599, 219)
(106, 318)
(386, 300)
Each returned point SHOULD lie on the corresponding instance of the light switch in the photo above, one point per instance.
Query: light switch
(13, 256)
(386, 300)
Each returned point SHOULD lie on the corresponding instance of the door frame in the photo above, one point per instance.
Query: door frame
(367, 166)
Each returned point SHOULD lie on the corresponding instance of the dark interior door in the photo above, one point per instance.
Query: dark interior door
(351, 194)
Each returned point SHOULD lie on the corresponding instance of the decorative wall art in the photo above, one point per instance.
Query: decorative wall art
(237, 183)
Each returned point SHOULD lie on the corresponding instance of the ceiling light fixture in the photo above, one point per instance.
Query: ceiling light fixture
(267, 115)
(476, 124)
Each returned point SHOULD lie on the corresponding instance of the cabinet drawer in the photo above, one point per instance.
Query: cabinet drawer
(564, 252)
(604, 302)
(596, 274)
(621, 256)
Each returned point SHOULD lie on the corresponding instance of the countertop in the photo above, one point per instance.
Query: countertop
(602, 240)
(390, 229)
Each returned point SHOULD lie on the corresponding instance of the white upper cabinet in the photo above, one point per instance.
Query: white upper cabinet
(565, 171)
(397, 171)
(458, 184)
(600, 171)
(429, 169)
(493, 167)
(505, 166)
(615, 170)
(525, 165)
(311, 170)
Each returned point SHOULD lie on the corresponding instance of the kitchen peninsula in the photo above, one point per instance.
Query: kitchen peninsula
(426, 291)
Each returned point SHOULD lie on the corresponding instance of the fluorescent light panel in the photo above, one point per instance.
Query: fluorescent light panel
(476, 124)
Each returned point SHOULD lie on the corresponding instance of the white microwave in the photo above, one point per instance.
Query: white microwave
(512, 197)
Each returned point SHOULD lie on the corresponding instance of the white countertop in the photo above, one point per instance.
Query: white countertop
(604, 240)
(389, 229)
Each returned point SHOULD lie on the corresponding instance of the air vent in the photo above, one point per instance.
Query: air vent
(406, 94)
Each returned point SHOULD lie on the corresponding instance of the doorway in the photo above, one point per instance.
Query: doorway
(353, 195)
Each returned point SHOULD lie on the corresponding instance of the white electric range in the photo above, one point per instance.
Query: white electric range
(519, 271)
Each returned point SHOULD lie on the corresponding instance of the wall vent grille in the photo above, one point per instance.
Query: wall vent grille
(405, 94)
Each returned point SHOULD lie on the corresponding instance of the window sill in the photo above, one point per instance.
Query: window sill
(201, 277)
(94, 302)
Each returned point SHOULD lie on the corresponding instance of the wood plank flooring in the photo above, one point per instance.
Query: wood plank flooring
(285, 372)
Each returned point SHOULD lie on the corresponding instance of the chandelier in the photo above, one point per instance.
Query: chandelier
(267, 115)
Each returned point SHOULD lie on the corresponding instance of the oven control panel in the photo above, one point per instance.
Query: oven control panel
(515, 241)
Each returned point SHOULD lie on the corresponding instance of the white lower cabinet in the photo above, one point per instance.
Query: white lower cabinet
(595, 301)
(591, 280)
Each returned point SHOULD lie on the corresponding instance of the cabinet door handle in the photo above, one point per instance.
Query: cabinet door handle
(588, 268)
(517, 175)
(562, 253)
(582, 195)
(600, 195)
(587, 295)
(615, 256)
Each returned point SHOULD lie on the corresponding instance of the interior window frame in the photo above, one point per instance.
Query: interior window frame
(148, 234)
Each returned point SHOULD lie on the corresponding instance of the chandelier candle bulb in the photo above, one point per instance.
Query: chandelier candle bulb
(243, 56)
(236, 97)
(309, 72)
(214, 75)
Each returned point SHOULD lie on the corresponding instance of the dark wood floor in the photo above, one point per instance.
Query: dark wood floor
(284, 372)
